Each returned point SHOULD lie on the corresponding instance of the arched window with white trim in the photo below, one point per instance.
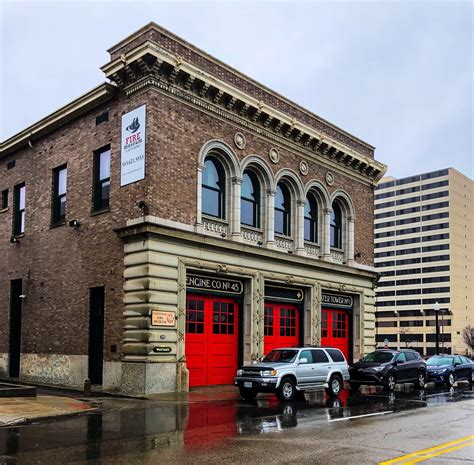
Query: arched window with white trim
(213, 189)
(250, 200)
(336, 226)
(282, 210)
(311, 219)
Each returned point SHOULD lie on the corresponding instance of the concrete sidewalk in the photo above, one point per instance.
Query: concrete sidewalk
(22, 410)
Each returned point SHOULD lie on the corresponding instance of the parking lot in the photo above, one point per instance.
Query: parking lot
(200, 428)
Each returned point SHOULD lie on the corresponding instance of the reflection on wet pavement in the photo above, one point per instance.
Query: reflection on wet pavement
(129, 425)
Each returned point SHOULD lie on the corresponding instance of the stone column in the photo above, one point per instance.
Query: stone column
(270, 218)
(326, 245)
(235, 203)
(299, 237)
(199, 228)
(349, 250)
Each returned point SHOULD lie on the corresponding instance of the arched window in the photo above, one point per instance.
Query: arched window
(282, 210)
(213, 189)
(311, 219)
(336, 226)
(250, 200)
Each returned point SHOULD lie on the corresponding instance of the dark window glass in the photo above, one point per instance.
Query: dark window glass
(405, 211)
(440, 300)
(11, 164)
(402, 232)
(405, 282)
(385, 185)
(436, 279)
(324, 324)
(434, 185)
(319, 356)
(222, 318)
(408, 291)
(408, 261)
(411, 240)
(390, 253)
(385, 324)
(385, 293)
(401, 182)
(408, 251)
(336, 226)
(213, 189)
(250, 201)
(268, 322)
(287, 322)
(432, 248)
(336, 355)
(383, 264)
(416, 219)
(101, 178)
(59, 194)
(433, 227)
(435, 174)
(282, 210)
(408, 200)
(410, 271)
(379, 245)
(434, 206)
(435, 269)
(408, 190)
(435, 258)
(102, 118)
(435, 290)
(19, 209)
(443, 337)
(411, 323)
(436, 237)
(384, 195)
(409, 302)
(385, 283)
(384, 205)
(194, 316)
(5, 198)
(388, 214)
(311, 219)
(384, 234)
(385, 224)
(385, 314)
(388, 303)
(389, 337)
(435, 216)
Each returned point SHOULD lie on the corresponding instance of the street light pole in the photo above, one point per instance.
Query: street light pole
(436, 310)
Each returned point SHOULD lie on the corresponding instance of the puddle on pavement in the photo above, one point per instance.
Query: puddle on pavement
(201, 425)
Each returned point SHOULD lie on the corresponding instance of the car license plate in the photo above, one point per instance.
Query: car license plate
(248, 384)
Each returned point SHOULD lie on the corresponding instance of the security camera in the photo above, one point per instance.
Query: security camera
(223, 235)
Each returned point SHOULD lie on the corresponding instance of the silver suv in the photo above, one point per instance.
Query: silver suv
(291, 370)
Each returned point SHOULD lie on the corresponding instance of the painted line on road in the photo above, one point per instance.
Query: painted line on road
(361, 416)
(425, 454)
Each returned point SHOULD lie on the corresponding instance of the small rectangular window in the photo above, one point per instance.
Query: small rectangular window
(104, 117)
(101, 178)
(11, 164)
(19, 210)
(59, 194)
(5, 199)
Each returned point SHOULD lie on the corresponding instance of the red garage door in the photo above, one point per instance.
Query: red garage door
(335, 330)
(211, 340)
(281, 326)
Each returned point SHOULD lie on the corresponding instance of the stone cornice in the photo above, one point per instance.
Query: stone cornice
(150, 65)
(157, 33)
(91, 99)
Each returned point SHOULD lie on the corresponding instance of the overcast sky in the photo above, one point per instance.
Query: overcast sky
(398, 74)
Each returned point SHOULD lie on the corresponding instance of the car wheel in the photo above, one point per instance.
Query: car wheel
(451, 379)
(247, 394)
(335, 386)
(391, 382)
(421, 381)
(287, 390)
(354, 386)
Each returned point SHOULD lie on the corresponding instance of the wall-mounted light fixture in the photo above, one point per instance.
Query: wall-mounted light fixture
(74, 223)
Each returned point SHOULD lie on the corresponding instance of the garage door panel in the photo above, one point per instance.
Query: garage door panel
(335, 330)
(211, 340)
(281, 326)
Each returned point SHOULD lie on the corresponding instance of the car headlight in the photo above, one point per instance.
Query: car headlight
(439, 372)
(269, 373)
(240, 372)
(378, 368)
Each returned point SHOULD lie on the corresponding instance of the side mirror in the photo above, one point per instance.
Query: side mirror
(303, 360)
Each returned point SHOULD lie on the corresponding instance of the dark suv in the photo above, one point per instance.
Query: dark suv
(387, 368)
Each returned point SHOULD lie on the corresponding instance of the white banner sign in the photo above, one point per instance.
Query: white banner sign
(132, 163)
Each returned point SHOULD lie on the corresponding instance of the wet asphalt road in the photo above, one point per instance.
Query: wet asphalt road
(316, 430)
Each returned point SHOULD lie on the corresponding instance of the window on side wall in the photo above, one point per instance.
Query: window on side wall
(58, 215)
(101, 179)
(19, 209)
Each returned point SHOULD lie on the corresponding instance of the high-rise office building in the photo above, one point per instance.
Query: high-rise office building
(424, 253)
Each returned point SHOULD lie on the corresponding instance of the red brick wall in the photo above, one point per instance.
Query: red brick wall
(59, 265)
